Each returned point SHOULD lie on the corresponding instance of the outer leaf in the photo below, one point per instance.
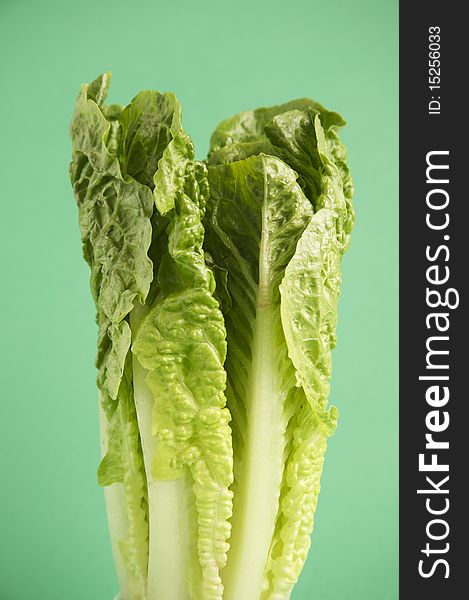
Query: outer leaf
(114, 215)
(310, 292)
(148, 124)
(300, 138)
(181, 344)
(123, 464)
(115, 227)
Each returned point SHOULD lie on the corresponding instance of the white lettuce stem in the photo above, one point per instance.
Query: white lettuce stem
(118, 522)
(261, 469)
(168, 502)
(260, 474)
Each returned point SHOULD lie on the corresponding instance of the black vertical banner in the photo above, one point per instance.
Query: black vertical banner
(434, 269)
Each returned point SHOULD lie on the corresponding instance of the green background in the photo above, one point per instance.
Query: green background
(218, 57)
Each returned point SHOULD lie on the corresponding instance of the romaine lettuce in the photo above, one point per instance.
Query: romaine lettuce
(216, 286)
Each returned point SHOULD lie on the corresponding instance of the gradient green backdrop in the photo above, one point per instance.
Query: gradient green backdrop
(219, 58)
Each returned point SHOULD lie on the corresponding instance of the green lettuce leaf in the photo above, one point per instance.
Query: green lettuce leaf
(148, 124)
(255, 216)
(123, 464)
(114, 217)
(310, 292)
(248, 126)
(180, 342)
(279, 234)
(289, 132)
